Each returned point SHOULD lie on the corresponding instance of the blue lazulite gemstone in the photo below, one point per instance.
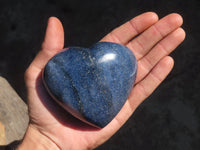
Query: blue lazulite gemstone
(92, 83)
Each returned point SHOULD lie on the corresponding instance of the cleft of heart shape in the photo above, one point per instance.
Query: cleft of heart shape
(92, 83)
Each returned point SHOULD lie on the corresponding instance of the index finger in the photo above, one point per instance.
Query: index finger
(124, 33)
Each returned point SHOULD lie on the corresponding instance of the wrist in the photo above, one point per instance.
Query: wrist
(34, 139)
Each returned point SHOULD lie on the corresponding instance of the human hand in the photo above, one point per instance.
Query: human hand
(51, 127)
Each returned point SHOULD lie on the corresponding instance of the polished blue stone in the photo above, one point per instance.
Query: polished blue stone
(92, 83)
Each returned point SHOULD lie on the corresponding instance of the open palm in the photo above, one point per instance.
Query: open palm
(154, 40)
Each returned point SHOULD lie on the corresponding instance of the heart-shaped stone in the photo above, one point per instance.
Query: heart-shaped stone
(92, 83)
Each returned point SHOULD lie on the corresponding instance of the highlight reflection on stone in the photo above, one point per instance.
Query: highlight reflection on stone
(92, 83)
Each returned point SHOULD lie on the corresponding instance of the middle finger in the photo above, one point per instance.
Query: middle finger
(144, 42)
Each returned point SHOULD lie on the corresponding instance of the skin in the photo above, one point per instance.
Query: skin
(151, 40)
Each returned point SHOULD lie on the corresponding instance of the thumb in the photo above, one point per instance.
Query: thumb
(54, 37)
(52, 44)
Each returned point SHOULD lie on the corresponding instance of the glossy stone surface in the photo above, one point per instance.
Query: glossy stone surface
(92, 83)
